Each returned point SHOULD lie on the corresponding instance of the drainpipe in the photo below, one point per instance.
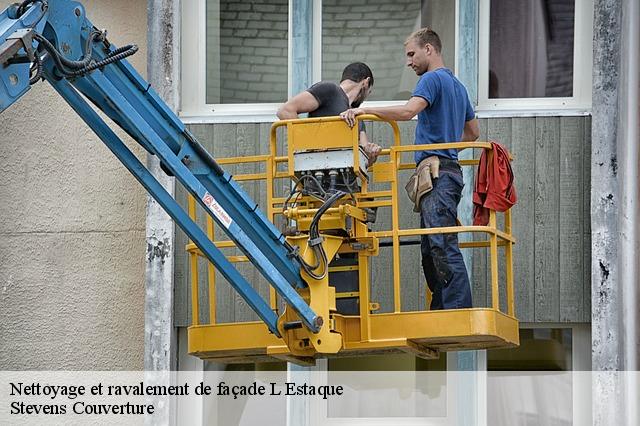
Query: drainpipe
(163, 47)
(615, 212)
(629, 216)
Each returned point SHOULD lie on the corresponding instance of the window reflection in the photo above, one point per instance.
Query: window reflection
(246, 51)
(374, 31)
(531, 48)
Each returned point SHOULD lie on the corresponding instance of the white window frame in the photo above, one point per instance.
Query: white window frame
(579, 104)
(193, 77)
(457, 388)
(193, 106)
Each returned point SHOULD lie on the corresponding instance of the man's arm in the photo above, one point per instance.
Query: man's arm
(302, 102)
(471, 131)
(397, 113)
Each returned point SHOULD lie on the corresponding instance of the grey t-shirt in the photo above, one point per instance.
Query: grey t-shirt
(332, 100)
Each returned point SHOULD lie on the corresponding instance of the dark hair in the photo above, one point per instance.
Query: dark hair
(426, 36)
(357, 72)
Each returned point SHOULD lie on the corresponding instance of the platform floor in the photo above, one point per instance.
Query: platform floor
(425, 334)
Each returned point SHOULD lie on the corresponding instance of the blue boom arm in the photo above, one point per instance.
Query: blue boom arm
(54, 41)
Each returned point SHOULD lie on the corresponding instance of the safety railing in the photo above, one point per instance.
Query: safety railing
(194, 252)
(496, 237)
(278, 168)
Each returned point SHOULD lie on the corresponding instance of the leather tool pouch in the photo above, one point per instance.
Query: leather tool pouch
(421, 182)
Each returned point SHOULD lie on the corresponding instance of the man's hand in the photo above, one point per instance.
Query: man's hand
(349, 116)
(372, 150)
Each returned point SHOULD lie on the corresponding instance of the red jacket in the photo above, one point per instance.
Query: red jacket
(494, 187)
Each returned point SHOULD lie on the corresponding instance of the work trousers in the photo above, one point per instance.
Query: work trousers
(442, 260)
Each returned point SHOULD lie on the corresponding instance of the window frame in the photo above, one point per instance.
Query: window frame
(193, 106)
(193, 75)
(318, 407)
(317, 52)
(578, 104)
(194, 109)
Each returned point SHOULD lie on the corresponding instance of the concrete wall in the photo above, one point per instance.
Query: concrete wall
(72, 229)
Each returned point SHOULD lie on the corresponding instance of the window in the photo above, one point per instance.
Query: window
(391, 389)
(544, 380)
(246, 45)
(374, 32)
(234, 57)
(237, 56)
(535, 54)
(541, 349)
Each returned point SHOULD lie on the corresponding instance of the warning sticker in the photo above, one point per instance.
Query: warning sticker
(217, 210)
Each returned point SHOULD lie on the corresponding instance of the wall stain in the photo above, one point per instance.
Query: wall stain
(161, 250)
(608, 199)
(614, 166)
(604, 271)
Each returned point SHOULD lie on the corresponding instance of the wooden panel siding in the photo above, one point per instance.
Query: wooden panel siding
(499, 129)
(550, 222)
(586, 215)
(523, 148)
(546, 222)
(571, 233)
(479, 279)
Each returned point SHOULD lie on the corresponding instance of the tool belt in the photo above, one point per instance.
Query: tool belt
(421, 181)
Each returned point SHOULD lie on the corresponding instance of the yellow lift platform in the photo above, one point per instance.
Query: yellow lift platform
(343, 229)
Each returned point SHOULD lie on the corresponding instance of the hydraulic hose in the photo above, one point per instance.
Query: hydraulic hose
(70, 68)
(315, 240)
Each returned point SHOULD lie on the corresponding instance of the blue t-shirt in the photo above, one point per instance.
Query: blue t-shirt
(443, 120)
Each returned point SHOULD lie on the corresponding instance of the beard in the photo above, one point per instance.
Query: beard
(360, 98)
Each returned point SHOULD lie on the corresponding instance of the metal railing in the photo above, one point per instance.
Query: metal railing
(381, 172)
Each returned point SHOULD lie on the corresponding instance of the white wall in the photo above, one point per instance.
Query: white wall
(72, 229)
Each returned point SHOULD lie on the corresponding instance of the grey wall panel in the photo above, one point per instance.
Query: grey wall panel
(182, 311)
(523, 149)
(500, 130)
(571, 224)
(550, 221)
(586, 220)
(259, 193)
(411, 276)
(247, 145)
(381, 266)
(546, 226)
(182, 295)
(224, 145)
(479, 280)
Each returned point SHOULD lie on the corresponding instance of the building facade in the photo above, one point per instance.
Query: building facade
(86, 264)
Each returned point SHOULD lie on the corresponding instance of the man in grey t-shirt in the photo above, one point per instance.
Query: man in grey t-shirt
(326, 98)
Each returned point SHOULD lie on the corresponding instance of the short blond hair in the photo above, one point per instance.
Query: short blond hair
(425, 36)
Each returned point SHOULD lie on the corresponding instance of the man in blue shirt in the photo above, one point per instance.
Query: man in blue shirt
(444, 115)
